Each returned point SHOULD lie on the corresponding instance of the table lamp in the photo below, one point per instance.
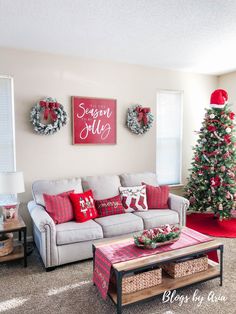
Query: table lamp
(11, 183)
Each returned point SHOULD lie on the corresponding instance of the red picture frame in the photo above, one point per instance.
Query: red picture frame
(94, 120)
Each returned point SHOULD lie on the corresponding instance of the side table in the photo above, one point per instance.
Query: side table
(19, 252)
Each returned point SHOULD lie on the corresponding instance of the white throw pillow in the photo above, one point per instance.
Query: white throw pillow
(134, 198)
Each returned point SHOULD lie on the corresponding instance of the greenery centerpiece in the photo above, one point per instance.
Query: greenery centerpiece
(152, 238)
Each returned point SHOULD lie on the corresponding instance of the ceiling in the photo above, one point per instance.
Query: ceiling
(190, 35)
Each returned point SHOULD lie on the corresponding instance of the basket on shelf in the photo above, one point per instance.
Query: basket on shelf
(6, 244)
(140, 281)
(186, 267)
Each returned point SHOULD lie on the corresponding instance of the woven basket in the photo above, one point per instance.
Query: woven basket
(6, 246)
(141, 281)
(185, 268)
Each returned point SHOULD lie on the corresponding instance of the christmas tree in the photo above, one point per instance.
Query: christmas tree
(211, 185)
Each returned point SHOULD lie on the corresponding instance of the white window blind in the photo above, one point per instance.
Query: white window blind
(7, 130)
(169, 137)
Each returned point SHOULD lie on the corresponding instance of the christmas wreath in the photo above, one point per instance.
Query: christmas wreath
(49, 110)
(139, 119)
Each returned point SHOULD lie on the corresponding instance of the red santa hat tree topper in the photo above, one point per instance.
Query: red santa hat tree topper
(219, 98)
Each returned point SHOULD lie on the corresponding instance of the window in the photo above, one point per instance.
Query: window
(7, 128)
(169, 137)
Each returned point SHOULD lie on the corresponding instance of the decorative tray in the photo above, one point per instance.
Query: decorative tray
(153, 238)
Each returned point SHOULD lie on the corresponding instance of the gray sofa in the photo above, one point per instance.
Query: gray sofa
(71, 241)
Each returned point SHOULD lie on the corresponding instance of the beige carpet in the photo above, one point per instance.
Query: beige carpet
(69, 289)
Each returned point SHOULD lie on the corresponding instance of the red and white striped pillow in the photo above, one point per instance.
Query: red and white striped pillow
(59, 207)
(157, 196)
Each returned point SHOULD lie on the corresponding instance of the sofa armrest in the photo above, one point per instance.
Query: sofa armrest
(180, 205)
(45, 232)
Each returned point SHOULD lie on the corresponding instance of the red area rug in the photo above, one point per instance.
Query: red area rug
(206, 224)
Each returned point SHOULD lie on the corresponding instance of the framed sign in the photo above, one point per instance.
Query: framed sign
(94, 120)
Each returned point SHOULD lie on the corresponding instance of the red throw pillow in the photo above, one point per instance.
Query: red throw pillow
(59, 207)
(109, 206)
(157, 196)
(83, 205)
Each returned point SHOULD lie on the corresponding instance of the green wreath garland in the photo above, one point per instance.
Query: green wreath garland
(49, 107)
(139, 119)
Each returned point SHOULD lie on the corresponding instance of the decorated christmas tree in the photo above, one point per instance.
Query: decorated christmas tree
(211, 185)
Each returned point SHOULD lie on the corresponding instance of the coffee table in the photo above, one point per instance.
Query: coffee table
(214, 270)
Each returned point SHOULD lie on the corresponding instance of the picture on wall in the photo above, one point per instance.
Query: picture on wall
(94, 120)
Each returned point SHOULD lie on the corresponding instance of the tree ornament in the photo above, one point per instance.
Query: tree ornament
(230, 174)
(228, 130)
(215, 181)
(49, 110)
(229, 195)
(212, 116)
(211, 128)
(139, 119)
(227, 139)
(192, 200)
(231, 115)
(222, 168)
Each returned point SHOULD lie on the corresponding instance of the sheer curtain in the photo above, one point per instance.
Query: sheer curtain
(169, 137)
(7, 128)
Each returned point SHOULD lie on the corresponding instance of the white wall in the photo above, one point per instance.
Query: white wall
(228, 82)
(37, 75)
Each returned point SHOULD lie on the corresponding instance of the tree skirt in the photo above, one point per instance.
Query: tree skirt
(205, 223)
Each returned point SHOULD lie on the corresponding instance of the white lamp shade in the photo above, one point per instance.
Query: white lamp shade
(11, 182)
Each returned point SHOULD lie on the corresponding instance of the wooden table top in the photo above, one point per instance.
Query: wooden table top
(11, 225)
(159, 257)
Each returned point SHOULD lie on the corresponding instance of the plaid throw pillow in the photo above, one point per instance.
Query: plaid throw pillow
(157, 196)
(59, 207)
(109, 206)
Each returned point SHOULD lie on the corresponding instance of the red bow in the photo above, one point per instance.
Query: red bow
(49, 108)
(142, 114)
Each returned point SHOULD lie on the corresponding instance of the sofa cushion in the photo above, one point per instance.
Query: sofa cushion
(134, 179)
(72, 232)
(83, 205)
(157, 196)
(59, 207)
(102, 186)
(120, 224)
(53, 187)
(109, 206)
(156, 217)
(134, 198)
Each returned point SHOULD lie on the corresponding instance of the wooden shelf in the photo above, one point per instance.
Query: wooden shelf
(17, 253)
(168, 283)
